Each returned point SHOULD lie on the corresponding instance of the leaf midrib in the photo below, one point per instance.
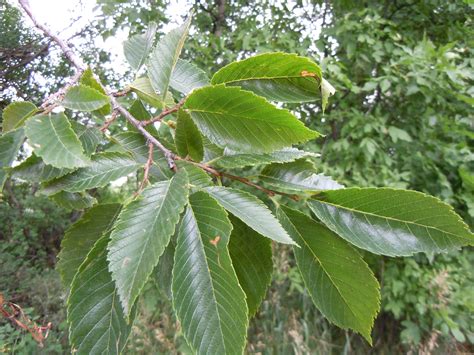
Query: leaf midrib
(284, 124)
(60, 140)
(214, 300)
(325, 271)
(392, 219)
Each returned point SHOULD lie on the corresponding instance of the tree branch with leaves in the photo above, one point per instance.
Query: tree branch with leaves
(219, 237)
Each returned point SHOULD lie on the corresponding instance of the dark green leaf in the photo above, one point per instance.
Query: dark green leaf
(90, 137)
(163, 272)
(34, 169)
(340, 283)
(187, 138)
(392, 222)
(53, 139)
(242, 121)
(141, 234)
(81, 236)
(252, 259)
(275, 76)
(73, 200)
(251, 211)
(96, 321)
(207, 297)
(10, 144)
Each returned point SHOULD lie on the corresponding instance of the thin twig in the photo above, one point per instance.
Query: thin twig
(147, 167)
(243, 180)
(164, 113)
(107, 123)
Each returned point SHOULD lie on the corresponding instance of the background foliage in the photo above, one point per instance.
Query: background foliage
(401, 117)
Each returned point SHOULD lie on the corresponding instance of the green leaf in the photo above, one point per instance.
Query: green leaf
(398, 134)
(251, 211)
(275, 76)
(165, 56)
(105, 167)
(164, 270)
(80, 238)
(53, 139)
(211, 151)
(34, 169)
(232, 160)
(135, 144)
(196, 176)
(141, 234)
(297, 176)
(142, 87)
(137, 48)
(187, 138)
(90, 137)
(207, 297)
(252, 259)
(73, 200)
(186, 77)
(326, 90)
(10, 144)
(96, 321)
(15, 114)
(340, 283)
(88, 79)
(84, 98)
(242, 121)
(391, 222)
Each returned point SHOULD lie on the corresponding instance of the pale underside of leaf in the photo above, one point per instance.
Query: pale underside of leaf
(297, 176)
(137, 47)
(186, 77)
(165, 56)
(232, 160)
(104, 168)
(135, 144)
